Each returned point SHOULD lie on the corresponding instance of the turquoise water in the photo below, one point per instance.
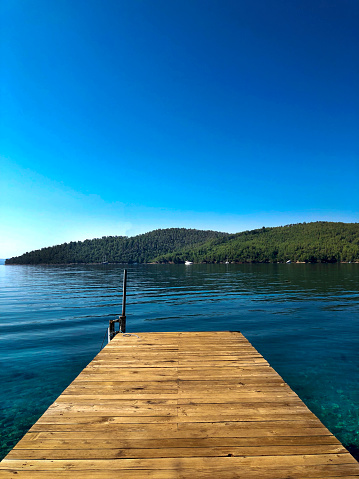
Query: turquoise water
(304, 319)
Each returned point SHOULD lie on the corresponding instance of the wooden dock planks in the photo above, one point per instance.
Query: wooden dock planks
(179, 405)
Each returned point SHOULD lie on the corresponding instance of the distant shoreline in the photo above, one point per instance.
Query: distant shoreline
(317, 242)
(172, 263)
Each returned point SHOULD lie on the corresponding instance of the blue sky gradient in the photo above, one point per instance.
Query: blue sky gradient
(119, 117)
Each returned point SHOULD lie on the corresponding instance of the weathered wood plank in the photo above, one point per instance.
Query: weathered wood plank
(71, 453)
(260, 462)
(52, 441)
(230, 397)
(296, 472)
(106, 427)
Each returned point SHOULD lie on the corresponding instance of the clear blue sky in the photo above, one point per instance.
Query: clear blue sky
(123, 116)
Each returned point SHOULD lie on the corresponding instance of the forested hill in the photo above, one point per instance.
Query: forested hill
(119, 249)
(324, 242)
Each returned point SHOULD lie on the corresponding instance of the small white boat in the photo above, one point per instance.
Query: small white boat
(289, 261)
(188, 262)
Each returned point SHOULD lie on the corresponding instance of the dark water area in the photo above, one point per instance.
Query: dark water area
(303, 318)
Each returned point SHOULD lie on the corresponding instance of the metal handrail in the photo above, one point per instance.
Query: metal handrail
(122, 319)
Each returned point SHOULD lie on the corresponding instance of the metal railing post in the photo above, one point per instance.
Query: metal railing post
(122, 319)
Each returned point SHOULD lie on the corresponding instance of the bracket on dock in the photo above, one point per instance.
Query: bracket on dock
(122, 319)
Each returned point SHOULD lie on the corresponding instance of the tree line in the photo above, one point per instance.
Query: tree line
(118, 249)
(325, 242)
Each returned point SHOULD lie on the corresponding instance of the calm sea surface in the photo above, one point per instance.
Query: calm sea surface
(304, 319)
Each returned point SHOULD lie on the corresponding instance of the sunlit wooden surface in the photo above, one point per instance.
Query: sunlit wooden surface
(179, 405)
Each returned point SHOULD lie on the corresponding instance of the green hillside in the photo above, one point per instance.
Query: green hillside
(119, 249)
(324, 242)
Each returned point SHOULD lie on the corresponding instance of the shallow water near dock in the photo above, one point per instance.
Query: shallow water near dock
(303, 318)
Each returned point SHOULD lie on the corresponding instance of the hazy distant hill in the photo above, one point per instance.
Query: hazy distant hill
(119, 249)
(324, 242)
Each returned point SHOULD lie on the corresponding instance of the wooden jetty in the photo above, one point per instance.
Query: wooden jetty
(179, 405)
